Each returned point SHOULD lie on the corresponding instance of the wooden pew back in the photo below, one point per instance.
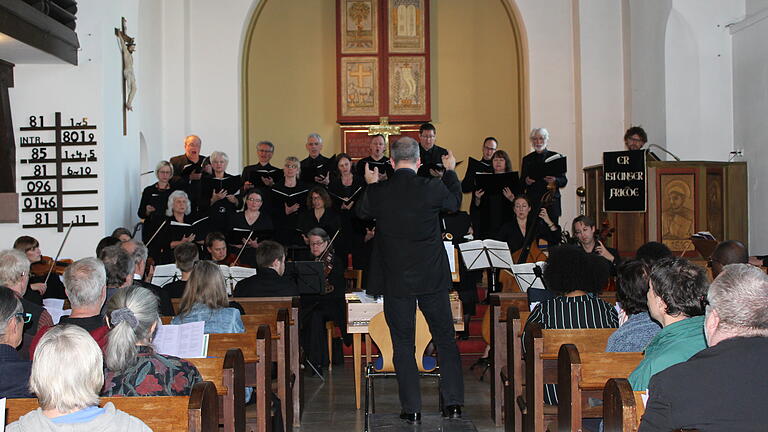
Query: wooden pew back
(622, 407)
(582, 375)
(194, 413)
(228, 374)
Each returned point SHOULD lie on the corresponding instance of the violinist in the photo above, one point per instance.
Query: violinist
(534, 186)
(327, 306)
(490, 210)
(585, 230)
(40, 266)
(514, 231)
(216, 245)
(251, 220)
(123, 234)
(269, 280)
(154, 199)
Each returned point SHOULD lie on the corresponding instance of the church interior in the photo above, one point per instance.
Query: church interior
(94, 94)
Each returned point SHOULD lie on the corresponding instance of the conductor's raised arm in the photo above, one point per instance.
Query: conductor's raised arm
(451, 200)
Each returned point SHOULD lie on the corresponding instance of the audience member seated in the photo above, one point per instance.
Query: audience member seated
(724, 387)
(133, 366)
(269, 280)
(85, 284)
(186, 255)
(576, 277)
(651, 252)
(123, 234)
(727, 252)
(105, 243)
(676, 301)
(636, 329)
(66, 377)
(37, 287)
(14, 274)
(138, 253)
(119, 267)
(205, 299)
(14, 381)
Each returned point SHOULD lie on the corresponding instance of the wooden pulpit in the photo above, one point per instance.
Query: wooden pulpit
(683, 197)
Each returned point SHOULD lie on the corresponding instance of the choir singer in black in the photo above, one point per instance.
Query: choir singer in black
(409, 263)
(535, 184)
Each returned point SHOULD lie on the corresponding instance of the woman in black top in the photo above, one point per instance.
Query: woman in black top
(514, 231)
(154, 200)
(250, 220)
(218, 193)
(319, 213)
(490, 210)
(345, 189)
(287, 202)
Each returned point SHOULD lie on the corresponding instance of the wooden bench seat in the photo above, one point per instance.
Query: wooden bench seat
(581, 376)
(197, 412)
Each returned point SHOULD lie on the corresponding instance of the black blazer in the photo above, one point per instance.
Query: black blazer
(408, 256)
(722, 388)
(265, 283)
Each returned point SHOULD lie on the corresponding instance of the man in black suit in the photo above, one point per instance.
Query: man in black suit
(430, 153)
(269, 280)
(723, 387)
(535, 187)
(409, 264)
(190, 167)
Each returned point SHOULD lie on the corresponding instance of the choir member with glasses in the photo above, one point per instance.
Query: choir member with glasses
(154, 199)
(248, 227)
(189, 168)
(256, 175)
(535, 187)
(490, 144)
(430, 153)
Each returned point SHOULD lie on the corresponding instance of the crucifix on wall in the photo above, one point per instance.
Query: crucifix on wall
(127, 46)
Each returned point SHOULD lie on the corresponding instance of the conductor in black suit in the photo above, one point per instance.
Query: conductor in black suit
(723, 387)
(409, 264)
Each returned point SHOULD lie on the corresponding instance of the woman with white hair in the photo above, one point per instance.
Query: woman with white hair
(217, 193)
(176, 230)
(66, 377)
(14, 381)
(133, 366)
(532, 172)
(154, 199)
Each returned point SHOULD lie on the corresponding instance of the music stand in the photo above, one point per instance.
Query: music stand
(165, 274)
(307, 275)
(486, 254)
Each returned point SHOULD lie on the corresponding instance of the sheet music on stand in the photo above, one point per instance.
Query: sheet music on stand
(165, 273)
(526, 276)
(483, 254)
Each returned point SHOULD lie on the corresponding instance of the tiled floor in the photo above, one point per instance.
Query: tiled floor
(330, 406)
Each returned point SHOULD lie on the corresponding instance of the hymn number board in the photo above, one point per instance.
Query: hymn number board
(58, 158)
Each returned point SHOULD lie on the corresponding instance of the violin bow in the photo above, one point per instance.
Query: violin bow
(328, 248)
(61, 246)
(245, 243)
(156, 232)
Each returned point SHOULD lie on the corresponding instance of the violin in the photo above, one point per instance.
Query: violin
(327, 259)
(48, 264)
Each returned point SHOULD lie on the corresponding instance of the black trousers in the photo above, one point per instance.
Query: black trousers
(400, 313)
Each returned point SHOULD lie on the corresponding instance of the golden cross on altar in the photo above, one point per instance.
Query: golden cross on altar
(360, 74)
(384, 128)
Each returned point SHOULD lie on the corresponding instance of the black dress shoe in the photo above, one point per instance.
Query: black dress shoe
(452, 411)
(411, 418)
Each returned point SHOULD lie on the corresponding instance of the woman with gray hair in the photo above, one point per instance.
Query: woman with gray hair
(154, 199)
(133, 366)
(176, 229)
(217, 193)
(15, 377)
(66, 377)
(532, 172)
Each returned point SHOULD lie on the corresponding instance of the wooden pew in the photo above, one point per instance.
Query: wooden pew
(228, 375)
(583, 375)
(295, 379)
(541, 350)
(499, 304)
(513, 372)
(622, 407)
(194, 413)
(258, 352)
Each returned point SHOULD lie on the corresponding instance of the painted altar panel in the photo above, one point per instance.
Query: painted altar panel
(359, 26)
(359, 86)
(407, 30)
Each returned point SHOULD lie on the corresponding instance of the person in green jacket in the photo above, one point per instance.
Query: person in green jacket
(676, 300)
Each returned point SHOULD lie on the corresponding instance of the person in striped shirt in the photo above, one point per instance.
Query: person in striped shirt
(577, 278)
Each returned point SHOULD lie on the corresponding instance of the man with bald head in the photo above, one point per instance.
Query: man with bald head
(723, 387)
(727, 252)
(189, 168)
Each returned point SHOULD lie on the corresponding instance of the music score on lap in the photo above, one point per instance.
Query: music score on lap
(58, 176)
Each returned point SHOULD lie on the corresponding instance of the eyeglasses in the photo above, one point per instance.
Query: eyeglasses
(634, 139)
(253, 200)
(317, 243)
(291, 166)
(265, 151)
(25, 317)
